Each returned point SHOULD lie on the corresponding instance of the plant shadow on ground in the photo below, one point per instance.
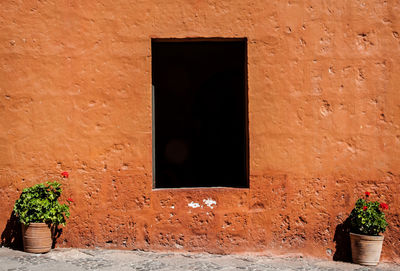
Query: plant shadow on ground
(11, 236)
(342, 242)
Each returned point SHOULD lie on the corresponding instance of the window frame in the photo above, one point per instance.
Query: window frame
(246, 117)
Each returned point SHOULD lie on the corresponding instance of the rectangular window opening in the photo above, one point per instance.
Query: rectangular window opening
(200, 118)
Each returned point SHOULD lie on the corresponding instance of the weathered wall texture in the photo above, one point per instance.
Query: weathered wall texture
(324, 116)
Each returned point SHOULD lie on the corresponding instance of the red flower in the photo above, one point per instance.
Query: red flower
(64, 174)
(367, 194)
(384, 206)
(70, 200)
(365, 208)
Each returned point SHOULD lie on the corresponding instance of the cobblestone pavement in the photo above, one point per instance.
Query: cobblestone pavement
(100, 259)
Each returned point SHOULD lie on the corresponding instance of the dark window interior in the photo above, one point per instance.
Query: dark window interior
(200, 113)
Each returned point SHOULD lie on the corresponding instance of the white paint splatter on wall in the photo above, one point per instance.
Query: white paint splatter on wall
(194, 205)
(210, 202)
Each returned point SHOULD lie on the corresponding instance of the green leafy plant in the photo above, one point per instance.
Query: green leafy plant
(368, 217)
(39, 203)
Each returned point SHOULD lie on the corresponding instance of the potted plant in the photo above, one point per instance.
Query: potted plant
(368, 222)
(38, 210)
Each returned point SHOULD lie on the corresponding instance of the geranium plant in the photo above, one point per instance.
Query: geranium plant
(368, 217)
(39, 203)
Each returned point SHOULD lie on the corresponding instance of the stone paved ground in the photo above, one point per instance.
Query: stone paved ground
(99, 259)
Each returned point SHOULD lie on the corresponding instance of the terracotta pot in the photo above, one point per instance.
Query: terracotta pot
(366, 249)
(37, 238)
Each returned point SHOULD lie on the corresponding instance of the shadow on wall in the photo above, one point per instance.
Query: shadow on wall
(342, 240)
(56, 233)
(11, 236)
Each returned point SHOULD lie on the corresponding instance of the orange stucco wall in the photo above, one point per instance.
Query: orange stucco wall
(324, 116)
